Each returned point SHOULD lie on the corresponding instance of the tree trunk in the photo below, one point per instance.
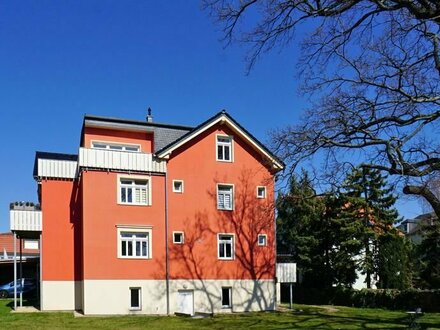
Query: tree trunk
(425, 193)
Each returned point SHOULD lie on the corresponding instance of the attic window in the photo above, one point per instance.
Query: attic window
(224, 148)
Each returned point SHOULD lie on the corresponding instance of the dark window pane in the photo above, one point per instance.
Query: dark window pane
(228, 250)
(124, 248)
(227, 153)
(130, 248)
(135, 303)
(226, 301)
(129, 197)
(219, 152)
(123, 195)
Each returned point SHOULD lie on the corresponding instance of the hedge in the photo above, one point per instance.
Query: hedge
(428, 300)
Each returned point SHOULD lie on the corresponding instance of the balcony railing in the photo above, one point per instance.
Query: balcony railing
(120, 160)
(25, 220)
(55, 168)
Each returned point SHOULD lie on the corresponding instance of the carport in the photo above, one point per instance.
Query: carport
(25, 223)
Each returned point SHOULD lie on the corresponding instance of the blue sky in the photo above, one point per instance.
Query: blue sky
(62, 59)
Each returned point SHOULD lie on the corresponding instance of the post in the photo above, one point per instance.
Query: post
(15, 271)
(21, 273)
(291, 295)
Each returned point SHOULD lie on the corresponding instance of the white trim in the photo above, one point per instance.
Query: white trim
(136, 229)
(265, 239)
(264, 192)
(232, 248)
(229, 298)
(178, 191)
(134, 177)
(183, 237)
(224, 120)
(231, 148)
(232, 197)
(139, 308)
(114, 143)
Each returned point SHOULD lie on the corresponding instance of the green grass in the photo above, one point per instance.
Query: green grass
(303, 317)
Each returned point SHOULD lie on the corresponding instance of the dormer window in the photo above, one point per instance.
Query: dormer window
(224, 148)
(116, 146)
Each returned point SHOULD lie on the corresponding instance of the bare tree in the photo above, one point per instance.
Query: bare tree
(371, 69)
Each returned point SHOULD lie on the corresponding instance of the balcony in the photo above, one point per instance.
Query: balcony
(119, 160)
(25, 217)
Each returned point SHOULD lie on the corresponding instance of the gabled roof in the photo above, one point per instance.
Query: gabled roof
(164, 134)
(224, 118)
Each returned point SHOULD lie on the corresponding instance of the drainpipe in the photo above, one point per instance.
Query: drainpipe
(167, 266)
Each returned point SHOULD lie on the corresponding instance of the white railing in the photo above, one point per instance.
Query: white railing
(53, 168)
(26, 220)
(119, 160)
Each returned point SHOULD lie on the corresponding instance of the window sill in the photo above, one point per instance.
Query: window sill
(132, 204)
(134, 258)
(226, 259)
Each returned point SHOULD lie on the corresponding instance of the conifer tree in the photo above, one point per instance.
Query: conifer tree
(370, 204)
(298, 230)
(429, 256)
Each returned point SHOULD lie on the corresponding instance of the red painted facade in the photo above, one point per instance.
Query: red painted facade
(82, 214)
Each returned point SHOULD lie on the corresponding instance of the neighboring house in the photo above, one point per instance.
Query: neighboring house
(412, 228)
(30, 254)
(156, 219)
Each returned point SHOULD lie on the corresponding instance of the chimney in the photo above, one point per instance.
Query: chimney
(149, 116)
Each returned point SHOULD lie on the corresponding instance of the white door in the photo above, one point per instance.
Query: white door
(186, 302)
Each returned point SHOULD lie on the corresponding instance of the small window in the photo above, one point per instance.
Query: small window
(226, 297)
(178, 237)
(261, 192)
(134, 191)
(178, 186)
(31, 244)
(224, 148)
(225, 197)
(135, 298)
(134, 243)
(262, 240)
(226, 246)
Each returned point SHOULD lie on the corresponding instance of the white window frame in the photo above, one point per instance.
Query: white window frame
(134, 229)
(31, 244)
(135, 308)
(232, 194)
(181, 186)
(220, 240)
(133, 178)
(109, 144)
(264, 190)
(229, 297)
(183, 237)
(229, 144)
(265, 240)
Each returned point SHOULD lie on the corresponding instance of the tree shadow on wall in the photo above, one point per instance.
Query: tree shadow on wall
(252, 264)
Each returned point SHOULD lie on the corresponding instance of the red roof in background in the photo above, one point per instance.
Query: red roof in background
(7, 243)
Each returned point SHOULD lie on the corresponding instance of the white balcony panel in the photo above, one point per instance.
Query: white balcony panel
(26, 220)
(286, 272)
(52, 168)
(119, 160)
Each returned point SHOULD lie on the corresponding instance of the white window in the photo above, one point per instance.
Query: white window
(178, 186)
(225, 197)
(31, 244)
(261, 192)
(178, 237)
(226, 246)
(224, 148)
(116, 146)
(226, 297)
(134, 191)
(262, 239)
(134, 242)
(135, 299)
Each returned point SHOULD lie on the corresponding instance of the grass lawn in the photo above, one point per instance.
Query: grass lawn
(313, 317)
